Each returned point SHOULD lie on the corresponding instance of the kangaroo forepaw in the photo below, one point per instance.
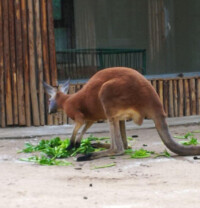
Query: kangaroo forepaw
(77, 144)
(81, 157)
(70, 146)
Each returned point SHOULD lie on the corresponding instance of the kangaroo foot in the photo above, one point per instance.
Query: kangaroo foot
(81, 157)
(95, 155)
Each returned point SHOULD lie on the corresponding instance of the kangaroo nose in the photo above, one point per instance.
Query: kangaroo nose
(52, 107)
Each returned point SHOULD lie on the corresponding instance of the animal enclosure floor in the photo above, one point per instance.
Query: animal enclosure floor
(131, 183)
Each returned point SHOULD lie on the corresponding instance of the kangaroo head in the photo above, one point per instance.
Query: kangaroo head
(55, 95)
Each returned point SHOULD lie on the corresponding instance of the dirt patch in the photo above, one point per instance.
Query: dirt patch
(131, 183)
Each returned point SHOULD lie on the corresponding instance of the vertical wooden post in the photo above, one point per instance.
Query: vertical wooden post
(60, 118)
(43, 6)
(6, 52)
(39, 60)
(13, 60)
(166, 96)
(171, 100)
(2, 99)
(52, 54)
(24, 14)
(187, 97)
(180, 88)
(154, 83)
(34, 98)
(198, 96)
(160, 86)
(71, 91)
(175, 98)
(19, 59)
(193, 96)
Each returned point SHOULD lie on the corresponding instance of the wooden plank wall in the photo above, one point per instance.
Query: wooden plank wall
(180, 96)
(27, 57)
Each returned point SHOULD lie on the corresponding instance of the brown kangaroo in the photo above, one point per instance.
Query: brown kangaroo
(115, 94)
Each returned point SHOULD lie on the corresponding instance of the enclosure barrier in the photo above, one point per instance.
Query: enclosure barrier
(179, 96)
(83, 63)
(27, 57)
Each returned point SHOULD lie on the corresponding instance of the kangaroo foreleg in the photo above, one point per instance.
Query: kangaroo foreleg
(116, 146)
(86, 127)
(73, 137)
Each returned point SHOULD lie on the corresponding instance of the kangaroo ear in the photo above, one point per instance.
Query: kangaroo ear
(49, 89)
(65, 87)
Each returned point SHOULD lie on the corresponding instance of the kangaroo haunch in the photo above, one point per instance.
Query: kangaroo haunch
(115, 94)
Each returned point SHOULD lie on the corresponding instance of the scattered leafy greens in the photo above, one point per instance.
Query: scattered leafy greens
(192, 141)
(85, 148)
(186, 136)
(141, 153)
(105, 166)
(55, 148)
(44, 160)
(130, 138)
(189, 135)
(163, 154)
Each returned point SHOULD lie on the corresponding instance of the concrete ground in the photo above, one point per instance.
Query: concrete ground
(131, 183)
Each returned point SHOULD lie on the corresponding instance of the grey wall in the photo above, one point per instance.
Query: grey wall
(121, 24)
(187, 35)
(126, 24)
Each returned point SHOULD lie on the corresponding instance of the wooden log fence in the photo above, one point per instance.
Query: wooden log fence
(27, 57)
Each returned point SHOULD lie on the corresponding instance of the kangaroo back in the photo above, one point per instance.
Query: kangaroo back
(115, 91)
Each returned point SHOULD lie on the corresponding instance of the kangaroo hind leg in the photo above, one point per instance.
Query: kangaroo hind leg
(116, 146)
(122, 125)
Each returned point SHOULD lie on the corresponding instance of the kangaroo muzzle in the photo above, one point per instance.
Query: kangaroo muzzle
(52, 107)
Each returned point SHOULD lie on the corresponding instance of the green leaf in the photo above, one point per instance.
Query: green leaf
(85, 148)
(128, 151)
(141, 153)
(130, 138)
(43, 160)
(192, 141)
(104, 166)
(163, 154)
(186, 136)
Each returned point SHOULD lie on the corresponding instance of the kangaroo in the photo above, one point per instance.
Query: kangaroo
(115, 94)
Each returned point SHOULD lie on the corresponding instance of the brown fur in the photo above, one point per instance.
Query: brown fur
(110, 91)
(116, 94)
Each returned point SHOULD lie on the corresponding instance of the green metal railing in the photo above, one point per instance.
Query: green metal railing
(83, 63)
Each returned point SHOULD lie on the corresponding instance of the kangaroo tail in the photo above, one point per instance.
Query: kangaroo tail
(167, 139)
